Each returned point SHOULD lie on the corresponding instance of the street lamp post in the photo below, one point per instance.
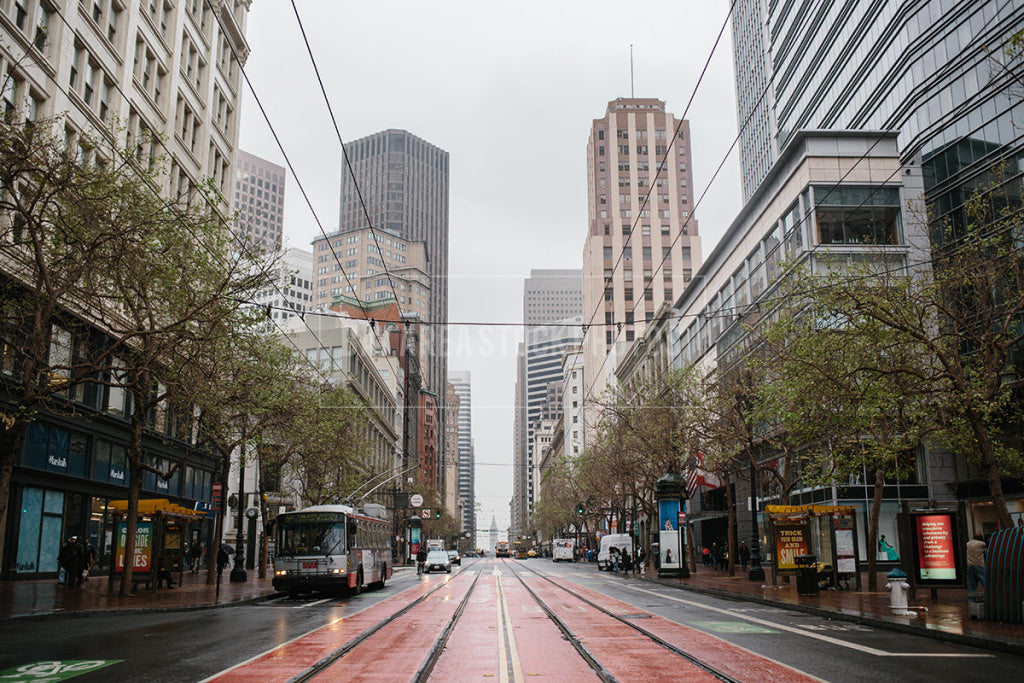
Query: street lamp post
(756, 572)
(238, 573)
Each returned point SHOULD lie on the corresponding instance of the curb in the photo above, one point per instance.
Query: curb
(81, 614)
(874, 621)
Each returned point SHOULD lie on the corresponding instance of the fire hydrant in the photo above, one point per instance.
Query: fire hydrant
(899, 591)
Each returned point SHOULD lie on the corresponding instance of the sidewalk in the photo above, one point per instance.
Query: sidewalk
(38, 599)
(945, 619)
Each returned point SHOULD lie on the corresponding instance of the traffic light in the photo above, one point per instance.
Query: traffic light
(437, 513)
(580, 508)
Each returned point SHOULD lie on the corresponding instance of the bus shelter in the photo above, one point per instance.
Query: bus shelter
(160, 538)
(829, 532)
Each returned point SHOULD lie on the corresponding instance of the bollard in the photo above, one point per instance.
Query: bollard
(899, 591)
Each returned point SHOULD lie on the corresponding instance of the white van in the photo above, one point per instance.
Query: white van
(563, 550)
(608, 542)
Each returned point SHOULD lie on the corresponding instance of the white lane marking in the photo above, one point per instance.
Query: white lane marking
(310, 604)
(806, 634)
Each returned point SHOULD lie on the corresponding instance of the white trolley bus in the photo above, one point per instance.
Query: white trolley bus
(332, 547)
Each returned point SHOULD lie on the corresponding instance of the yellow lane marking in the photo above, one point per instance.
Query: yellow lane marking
(509, 667)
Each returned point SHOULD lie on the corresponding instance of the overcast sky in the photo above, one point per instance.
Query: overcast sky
(510, 92)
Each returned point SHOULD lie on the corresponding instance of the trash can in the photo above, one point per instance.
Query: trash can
(806, 575)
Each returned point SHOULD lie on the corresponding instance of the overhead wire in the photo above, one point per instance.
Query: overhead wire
(259, 103)
(348, 161)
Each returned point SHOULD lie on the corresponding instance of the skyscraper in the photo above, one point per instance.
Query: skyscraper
(462, 381)
(932, 70)
(541, 367)
(258, 203)
(403, 184)
(548, 296)
(642, 244)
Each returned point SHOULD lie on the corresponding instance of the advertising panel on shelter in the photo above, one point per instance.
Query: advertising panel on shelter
(143, 546)
(935, 545)
(791, 541)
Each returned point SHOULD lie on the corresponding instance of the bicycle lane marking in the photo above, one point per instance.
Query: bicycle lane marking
(817, 636)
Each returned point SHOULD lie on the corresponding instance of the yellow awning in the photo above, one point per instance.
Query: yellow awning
(150, 506)
(810, 509)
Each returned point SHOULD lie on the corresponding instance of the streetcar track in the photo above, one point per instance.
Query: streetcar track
(580, 648)
(325, 662)
(435, 652)
(601, 672)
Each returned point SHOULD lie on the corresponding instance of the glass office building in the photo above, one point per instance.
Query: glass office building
(938, 71)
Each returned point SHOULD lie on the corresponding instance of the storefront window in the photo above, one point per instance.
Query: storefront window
(56, 450)
(40, 533)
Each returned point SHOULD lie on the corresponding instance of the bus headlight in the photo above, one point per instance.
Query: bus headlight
(336, 571)
(281, 572)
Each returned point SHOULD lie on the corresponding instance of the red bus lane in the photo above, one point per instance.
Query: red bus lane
(624, 653)
(398, 650)
(509, 624)
(727, 658)
(291, 659)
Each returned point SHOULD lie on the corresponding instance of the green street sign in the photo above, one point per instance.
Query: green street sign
(37, 672)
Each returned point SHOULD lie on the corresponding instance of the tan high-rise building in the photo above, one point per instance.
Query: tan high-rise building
(637, 253)
(352, 263)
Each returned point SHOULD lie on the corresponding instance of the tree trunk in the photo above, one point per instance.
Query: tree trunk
(131, 526)
(264, 550)
(876, 507)
(11, 441)
(991, 469)
(787, 473)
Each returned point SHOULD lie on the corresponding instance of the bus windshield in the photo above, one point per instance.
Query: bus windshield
(310, 534)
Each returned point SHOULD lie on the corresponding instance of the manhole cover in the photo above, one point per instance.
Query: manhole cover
(634, 616)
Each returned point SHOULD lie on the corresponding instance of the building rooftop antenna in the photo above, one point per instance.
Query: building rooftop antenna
(631, 93)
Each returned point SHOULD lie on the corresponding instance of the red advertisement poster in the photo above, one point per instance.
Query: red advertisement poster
(790, 541)
(934, 536)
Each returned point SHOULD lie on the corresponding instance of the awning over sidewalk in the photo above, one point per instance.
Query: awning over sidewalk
(150, 506)
(816, 510)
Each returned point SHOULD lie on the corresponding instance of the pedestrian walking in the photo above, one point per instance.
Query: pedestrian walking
(715, 553)
(195, 555)
(744, 555)
(421, 559)
(640, 559)
(627, 562)
(706, 556)
(222, 560)
(89, 556)
(975, 564)
(65, 561)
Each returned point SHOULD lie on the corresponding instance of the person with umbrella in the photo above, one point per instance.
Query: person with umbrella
(223, 557)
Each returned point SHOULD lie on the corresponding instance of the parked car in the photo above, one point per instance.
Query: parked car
(455, 558)
(437, 560)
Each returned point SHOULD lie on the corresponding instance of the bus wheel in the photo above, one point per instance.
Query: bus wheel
(383, 578)
(358, 590)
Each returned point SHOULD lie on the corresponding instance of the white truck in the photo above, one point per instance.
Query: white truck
(609, 541)
(564, 549)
